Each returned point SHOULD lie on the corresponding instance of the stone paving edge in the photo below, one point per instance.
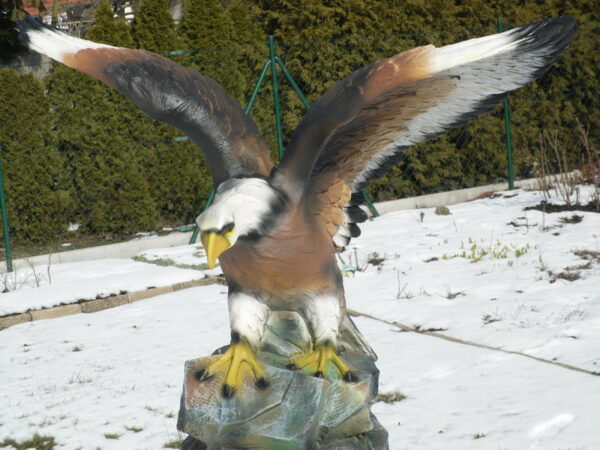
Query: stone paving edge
(95, 305)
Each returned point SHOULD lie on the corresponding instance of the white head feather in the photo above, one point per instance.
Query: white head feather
(246, 203)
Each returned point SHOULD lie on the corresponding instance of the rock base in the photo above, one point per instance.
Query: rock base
(295, 411)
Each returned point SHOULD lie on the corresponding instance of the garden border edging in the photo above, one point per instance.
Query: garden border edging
(95, 305)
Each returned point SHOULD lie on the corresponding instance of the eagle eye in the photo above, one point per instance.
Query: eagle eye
(226, 228)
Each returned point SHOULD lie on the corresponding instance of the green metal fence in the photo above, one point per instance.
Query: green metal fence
(509, 150)
(5, 227)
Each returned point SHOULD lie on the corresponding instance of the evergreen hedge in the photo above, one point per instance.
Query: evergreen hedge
(36, 178)
(99, 133)
(76, 151)
(322, 41)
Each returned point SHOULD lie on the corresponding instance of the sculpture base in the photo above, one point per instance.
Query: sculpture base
(374, 439)
(295, 411)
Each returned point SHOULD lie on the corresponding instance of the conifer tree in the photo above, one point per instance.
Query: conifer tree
(102, 135)
(247, 31)
(153, 28)
(178, 175)
(251, 54)
(323, 40)
(35, 174)
(208, 34)
(107, 29)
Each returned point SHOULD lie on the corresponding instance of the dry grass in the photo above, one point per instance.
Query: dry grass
(36, 442)
(588, 255)
(112, 435)
(390, 397)
(590, 169)
(565, 275)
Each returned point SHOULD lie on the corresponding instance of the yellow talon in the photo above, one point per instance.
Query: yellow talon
(320, 362)
(238, 362)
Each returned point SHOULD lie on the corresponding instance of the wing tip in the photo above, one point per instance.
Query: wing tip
(45, 39)
(39, 37)
(24, 26)
(554, 33)
(31, 24)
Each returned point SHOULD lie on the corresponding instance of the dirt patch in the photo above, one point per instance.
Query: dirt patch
(588, 255)
(489, 194)
(524, 223)
(391, 397)
(574, 272)
(573, 219)
(553, 208)
(565, 275)
(587, 265)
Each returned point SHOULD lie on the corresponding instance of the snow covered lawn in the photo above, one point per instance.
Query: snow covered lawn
(80, 377)
(489, 272)
(52, 285)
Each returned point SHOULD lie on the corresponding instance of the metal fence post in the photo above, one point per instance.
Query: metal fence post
(257, 87)
(295, 86)
(276, 107)
(370, 204)
(5, 229)
(509, 149)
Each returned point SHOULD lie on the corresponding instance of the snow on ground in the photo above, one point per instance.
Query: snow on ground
(55, 284)
(80, 377)
(186, 256)
(477, 276)
(86, 379)
(461, 397)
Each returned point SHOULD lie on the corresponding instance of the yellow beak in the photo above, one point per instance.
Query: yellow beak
(214, 244)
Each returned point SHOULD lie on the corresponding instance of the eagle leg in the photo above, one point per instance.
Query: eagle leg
(321, 361)
(238, 363)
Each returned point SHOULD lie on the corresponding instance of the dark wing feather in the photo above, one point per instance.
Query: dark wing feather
(167, 92)
(339, 105)
(359, 129)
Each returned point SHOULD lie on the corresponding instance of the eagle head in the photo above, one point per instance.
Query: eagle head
(242, 207)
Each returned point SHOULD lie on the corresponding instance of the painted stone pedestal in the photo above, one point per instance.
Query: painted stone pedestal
(296, 411)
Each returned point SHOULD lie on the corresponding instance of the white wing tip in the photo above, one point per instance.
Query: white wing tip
(51, 42)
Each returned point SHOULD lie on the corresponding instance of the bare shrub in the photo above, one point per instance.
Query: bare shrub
(564, 182)
(34, 277)
(375, 259)
(590, 170)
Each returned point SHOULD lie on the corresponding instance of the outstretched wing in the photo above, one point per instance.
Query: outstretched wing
(358, 130)
(167, 92)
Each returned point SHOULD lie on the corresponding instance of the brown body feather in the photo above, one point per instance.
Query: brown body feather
(296, 259)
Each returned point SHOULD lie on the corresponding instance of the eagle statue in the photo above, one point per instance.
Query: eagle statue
(276, 230)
